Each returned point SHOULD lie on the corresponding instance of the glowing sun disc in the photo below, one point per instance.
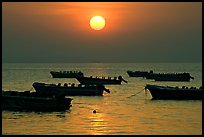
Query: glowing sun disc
(97, 22)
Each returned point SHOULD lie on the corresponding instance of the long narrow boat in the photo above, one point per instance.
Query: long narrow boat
(33, 101)
(101, 80)
(138, 73)
(66, 74)
(170, 76)
(174, 93)
(70, 90)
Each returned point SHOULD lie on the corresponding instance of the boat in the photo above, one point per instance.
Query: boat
(70, 89)
(66, 74)
(174, 93)
(138, 73)
(170, 76)
(100, 80)
(33, 101)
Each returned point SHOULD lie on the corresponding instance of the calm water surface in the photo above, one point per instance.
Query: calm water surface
(127, 110)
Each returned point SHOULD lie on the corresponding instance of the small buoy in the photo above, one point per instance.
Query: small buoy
(94, 111)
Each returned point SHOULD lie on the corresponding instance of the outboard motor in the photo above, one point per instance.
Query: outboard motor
(120, 78)
(103, 87)
(188, 75)
(107, 90)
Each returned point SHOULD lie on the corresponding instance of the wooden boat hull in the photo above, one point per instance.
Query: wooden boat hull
(31, 103)
(173, 93)
(182, 77)
(65, 74)
(104, 81)
(137, 73)
(177, 79)
(84, 90)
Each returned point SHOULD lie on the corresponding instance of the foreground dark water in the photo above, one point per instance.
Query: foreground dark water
(126, 110)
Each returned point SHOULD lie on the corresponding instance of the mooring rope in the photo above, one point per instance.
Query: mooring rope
(136, 93)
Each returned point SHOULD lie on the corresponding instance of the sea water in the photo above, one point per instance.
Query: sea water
(127, 110)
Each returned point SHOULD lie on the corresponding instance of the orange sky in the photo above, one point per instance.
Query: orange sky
(129, 26)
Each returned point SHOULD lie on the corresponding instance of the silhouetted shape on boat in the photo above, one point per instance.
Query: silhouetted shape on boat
(174, 93)
(33, 101)
(70, 89)
(170, 76)
(66, 74)
(138, 73)
(100, 80)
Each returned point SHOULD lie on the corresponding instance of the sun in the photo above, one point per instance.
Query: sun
(97, 22)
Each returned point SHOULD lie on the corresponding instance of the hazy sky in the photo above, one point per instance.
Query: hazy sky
(134, 32)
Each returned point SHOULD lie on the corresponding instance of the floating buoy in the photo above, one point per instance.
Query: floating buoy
(94, 111)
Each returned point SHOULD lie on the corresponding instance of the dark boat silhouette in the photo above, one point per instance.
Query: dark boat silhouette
(138, 73)
(101, 80)
(70, 89)
(170, 76)
(174, 93)
(66, 74)
(33, 101)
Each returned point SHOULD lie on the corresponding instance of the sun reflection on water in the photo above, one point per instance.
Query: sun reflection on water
(98, 123)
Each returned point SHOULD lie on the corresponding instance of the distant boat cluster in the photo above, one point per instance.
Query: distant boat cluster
(167, 92)
(89, 86)
(52, 97)
(161, 76)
